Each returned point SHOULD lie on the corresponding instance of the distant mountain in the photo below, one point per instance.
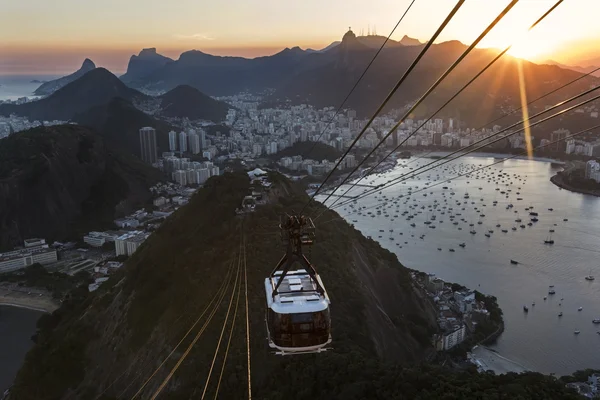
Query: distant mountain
(119, 122)
(577, 68)
(215, 75)
(144, 64)
(375, 41)
(330, 46)
(96, 87)
(50, 87)
(186, 101)
(333, 73)
(408, 41)
(61, 181)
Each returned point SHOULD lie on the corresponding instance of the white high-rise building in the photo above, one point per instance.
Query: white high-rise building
(183, 142)
(203, 140)
(148, 145)
(194, 143)
(172, 141)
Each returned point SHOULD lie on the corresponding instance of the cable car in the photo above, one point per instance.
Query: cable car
(297, 316)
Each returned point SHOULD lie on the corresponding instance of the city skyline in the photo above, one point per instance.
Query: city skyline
(43, 38)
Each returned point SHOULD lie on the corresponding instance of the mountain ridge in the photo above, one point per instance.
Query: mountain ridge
(47, 88)
(94, 88)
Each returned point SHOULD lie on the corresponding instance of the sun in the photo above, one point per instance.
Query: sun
(531, 48)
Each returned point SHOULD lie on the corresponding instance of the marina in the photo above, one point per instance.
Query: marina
(478, 225)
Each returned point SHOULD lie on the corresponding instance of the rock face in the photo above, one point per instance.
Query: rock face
(50, 87)
(96, 87)
(144, 64)
(56, 182)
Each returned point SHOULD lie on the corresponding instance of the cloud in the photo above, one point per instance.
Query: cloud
(194, 36)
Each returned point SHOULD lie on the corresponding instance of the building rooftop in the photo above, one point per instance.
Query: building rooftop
(297, 293)
(15, 254)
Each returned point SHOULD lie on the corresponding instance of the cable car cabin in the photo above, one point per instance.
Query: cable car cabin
(298, 319)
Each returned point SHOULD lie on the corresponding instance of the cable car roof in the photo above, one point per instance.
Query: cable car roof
(296, 294)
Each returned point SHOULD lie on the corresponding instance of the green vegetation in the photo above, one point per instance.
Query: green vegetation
(580, 376)
(119, 334)
(36, 276)
(577, 179)
(320, 151)
(83, 183)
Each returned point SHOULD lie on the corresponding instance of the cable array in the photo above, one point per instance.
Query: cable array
(425, 168)
(359, 79)
(446, 21)
(427, 93)
(519, 154)
(451, 99)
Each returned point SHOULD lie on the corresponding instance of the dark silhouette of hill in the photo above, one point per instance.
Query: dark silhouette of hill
(95, 88)
(50, 87)
(186, 101)
(320, 152)
(144, 64)
(215, 75)
(109, 342)
(408, 41)
(375, 41)
(61, 181)
(496, 89)
(119, 122)
(323, 78)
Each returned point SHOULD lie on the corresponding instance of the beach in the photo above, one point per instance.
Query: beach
(486, 359)
(33, 301)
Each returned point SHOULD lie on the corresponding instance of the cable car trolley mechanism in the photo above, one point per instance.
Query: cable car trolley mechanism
(298, 318)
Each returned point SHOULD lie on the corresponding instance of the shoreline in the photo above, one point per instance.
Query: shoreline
(43, 310)
(494, 155)
(41, 304)
(558, 181)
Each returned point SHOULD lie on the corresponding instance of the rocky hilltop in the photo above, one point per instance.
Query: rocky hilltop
(57, 182)
(144, 64)
(47, 88)
(94, 88)
(108, 345)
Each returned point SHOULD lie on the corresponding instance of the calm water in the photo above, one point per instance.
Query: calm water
(17, 325)
(13, 87)
(539, 340)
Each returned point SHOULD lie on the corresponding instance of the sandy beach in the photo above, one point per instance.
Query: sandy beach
(32, 301)
(486, 359)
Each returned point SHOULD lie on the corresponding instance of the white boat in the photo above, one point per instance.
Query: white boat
(577, 332)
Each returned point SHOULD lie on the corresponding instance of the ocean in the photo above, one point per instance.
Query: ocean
(539, 340)
(14, 86)
(17, 325)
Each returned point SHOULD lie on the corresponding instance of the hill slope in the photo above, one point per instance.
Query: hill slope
(119, 122)
(94, 88)
(376, 310)
(186, 101)
(59, 181)
(50, 87)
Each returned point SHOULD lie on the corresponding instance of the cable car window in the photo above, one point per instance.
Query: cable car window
(301, 318)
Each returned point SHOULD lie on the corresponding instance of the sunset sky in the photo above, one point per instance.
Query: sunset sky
(53, 37)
